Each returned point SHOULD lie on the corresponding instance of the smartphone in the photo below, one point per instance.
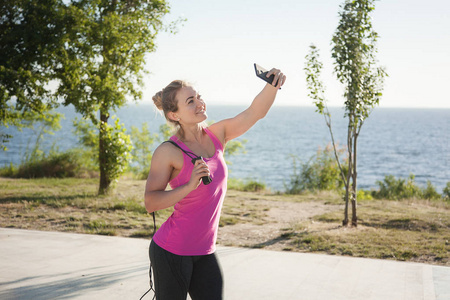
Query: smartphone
(261, 73)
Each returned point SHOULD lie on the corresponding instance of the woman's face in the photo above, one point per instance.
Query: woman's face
(191, 108)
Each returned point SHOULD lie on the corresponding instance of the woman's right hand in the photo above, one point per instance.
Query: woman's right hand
(279, 77)
(200, 169)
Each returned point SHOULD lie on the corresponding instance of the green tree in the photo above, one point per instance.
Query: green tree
(355, 66)
(31, 33)
(102, 66)
(141, 153)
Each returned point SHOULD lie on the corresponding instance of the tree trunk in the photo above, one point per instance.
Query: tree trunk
(105, 181)
(345, 221)
(354, 187)
(350, 170)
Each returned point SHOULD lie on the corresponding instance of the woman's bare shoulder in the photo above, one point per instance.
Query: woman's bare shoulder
(166, 150)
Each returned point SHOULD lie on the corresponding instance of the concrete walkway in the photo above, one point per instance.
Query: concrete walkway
(49, 265)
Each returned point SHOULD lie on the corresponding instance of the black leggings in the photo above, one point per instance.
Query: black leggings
(176, 276)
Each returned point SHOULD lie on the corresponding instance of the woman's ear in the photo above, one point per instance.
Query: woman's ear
(173, 116)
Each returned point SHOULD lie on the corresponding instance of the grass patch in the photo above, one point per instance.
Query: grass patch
(243, 207)
(368, 242)
(224, 221)
(409, 230)
(400, 230)
(72, 205)
(99, 227)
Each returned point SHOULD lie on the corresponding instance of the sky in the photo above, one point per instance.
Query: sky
(216, 47)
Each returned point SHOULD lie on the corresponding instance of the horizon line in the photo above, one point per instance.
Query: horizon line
(302, 105)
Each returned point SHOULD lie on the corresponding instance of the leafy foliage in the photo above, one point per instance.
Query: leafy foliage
(446, 192)
(354, 49)
(355, 66)
(87, 135)
(54, 164)
(102, 66)
(245, 185)
(92, 50)
(166, 131)
(104, 59)
(396, 189)
(141, 151)
(313, 69)
(118, 153)
(31, 33)
(234, 147)
(320, 172)
(429, 192)
(38, 163)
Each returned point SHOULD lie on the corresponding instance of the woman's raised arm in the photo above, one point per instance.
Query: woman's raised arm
(229, 129)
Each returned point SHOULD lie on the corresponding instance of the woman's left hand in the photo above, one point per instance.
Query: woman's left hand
(278, 79)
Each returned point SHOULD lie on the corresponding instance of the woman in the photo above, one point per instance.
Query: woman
(182, 250)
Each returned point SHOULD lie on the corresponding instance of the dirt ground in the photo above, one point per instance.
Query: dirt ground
(278, 218)
(410, 230)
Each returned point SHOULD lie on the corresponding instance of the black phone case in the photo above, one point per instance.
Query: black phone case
(261, 73)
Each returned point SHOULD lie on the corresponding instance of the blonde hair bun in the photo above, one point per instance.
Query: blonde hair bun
(157, 99)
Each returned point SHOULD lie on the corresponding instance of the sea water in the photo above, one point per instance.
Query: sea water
(392, 141)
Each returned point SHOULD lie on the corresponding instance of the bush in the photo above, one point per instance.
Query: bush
(321, 172)
(430, 192)
(446, 192)
(38, 163)
(364, 195)
(116, 155)
(55, 164)
(248, 185)
(396, 189)
(8, 171)
(254, 186)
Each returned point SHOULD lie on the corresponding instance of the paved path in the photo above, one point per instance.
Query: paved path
(50, 265)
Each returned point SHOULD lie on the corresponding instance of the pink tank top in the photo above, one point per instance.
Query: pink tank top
(192, 227)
